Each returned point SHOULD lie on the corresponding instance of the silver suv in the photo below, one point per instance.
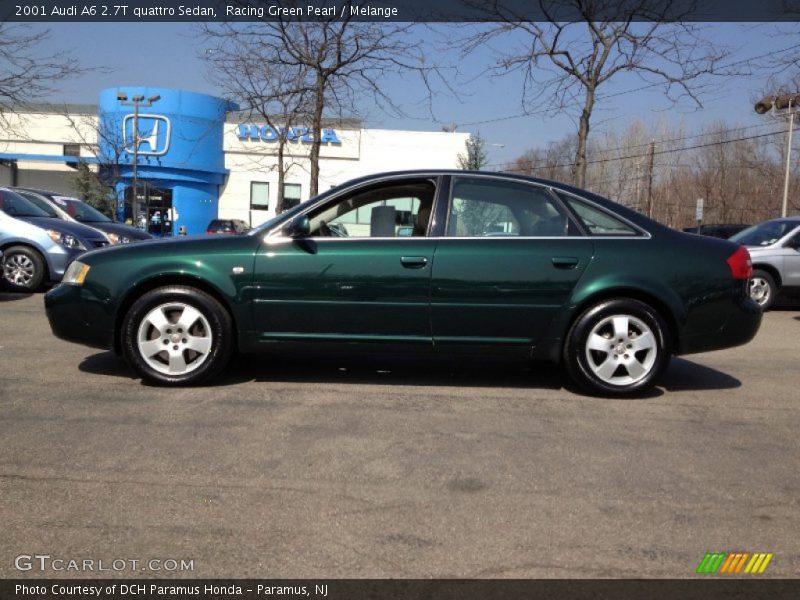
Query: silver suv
(775, 250)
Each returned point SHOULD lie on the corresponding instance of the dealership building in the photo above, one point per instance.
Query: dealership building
(196, 158)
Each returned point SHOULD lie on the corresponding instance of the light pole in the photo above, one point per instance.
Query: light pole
(136, 102)
(787, 104)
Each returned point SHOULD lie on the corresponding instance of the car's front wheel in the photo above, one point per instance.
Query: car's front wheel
(617, 348)
(177, 335)
(24, 268)
(763, 288)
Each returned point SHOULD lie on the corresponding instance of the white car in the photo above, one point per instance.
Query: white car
(775, 251)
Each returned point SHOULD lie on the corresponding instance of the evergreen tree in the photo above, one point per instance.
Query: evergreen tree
(476, 156)
(91, 190)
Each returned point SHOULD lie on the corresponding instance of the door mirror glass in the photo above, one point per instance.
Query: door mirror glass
(298, 227)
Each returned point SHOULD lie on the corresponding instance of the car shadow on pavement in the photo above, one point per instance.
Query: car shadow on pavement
(682, 375)
(11, 296)
(685, 375)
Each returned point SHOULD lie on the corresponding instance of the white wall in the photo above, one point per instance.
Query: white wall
(362, 152)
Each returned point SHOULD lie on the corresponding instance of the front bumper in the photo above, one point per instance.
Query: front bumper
(739, 328)
(58, 259)
(65, 310)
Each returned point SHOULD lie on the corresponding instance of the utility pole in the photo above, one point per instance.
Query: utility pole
(788, 103)
(136, 102)
(650, 179)
(784, 206)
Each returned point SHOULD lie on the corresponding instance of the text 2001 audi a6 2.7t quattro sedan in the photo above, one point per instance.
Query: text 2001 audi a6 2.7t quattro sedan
(434, 260)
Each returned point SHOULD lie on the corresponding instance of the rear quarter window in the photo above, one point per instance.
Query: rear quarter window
(597, 221)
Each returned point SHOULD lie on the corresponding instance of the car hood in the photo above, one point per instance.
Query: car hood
(120, 229)
(195, 246)
(69, 227)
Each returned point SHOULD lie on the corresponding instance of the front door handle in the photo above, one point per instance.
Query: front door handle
(413, 262)
(565, 262)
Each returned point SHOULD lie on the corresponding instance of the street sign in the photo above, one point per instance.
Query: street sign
(699, 210)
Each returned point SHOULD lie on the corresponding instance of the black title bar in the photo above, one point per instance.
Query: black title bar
(399, 589)
(57, 11)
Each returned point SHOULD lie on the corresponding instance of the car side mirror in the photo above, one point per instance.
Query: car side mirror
(298, 227)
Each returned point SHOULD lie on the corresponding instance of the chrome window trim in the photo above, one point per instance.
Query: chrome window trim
(437, 178)
(272, 239)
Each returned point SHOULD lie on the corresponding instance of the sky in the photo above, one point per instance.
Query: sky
(170, 55)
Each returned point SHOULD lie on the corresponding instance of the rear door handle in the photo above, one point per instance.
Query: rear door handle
(413, 262)
(565, 262)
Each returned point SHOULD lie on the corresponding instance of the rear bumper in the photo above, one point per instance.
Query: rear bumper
(739, 328)
(65, 312)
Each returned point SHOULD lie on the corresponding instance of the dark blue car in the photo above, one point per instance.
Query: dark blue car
(118, 233)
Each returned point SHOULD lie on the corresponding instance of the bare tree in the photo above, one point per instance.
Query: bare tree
(27, 75)
(102, 139)
(275, 92)
(567, 63)
(338, 60)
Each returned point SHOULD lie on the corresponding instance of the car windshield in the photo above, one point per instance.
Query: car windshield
(41, 203)
(80, 211)
(15, 205)
(765, 234)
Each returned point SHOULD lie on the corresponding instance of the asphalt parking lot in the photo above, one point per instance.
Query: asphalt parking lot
(349, 469)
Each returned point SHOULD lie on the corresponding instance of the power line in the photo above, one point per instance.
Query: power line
(624, 92)
(656, 152)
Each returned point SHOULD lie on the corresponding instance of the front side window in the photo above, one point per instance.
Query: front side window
(259, 195)
(493, 208)
(400, 210)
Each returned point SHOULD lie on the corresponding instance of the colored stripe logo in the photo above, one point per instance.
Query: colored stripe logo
(734, 563)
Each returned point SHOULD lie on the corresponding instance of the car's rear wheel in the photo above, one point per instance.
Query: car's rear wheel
(177, 336)
(23, 268)
(617, 348)
(763, 289)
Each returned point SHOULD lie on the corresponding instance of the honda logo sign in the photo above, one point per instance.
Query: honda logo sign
(154, 134)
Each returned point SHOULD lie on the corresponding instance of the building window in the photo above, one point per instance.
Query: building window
(259, 195)
(291, 195)
(72, 149)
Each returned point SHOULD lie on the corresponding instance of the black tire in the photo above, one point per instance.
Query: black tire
(24, 269)
(763, 289)
(214, 328)
(633, 369)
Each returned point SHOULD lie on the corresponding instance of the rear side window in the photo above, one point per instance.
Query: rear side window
(597, 221)
(482, 207)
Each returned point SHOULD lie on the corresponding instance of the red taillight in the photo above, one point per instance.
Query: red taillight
(740, 264)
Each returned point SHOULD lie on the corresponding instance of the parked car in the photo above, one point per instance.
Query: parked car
(723, 231)
(499, 264)
(77, 210)
(31, 254)
(227, 226)
(775, 251)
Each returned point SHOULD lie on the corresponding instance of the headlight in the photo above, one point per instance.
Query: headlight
(119, 239)
(76, 273)
(65, 239)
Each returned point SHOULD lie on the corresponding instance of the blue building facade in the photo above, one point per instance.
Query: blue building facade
(180, 157)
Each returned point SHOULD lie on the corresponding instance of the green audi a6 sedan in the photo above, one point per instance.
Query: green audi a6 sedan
(435, 261)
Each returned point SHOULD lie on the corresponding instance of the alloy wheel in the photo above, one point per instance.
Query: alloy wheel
(621, 350)
(760, 290)
(174, 338)
(19, 269)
